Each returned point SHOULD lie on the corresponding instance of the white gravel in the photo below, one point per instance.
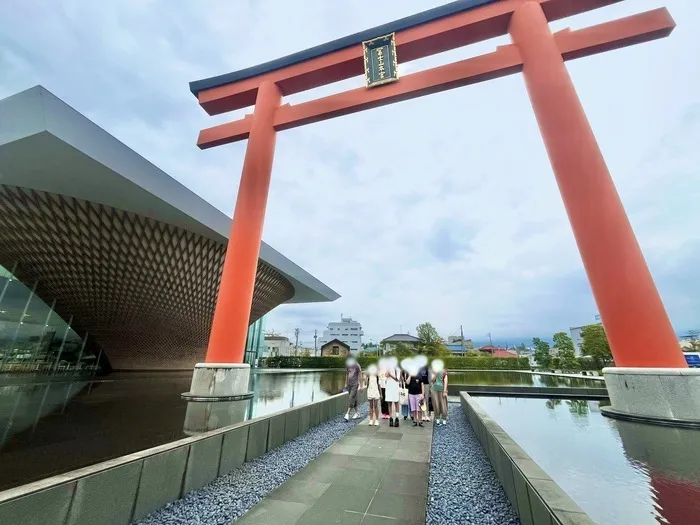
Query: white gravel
(226, 498)
(463, 486)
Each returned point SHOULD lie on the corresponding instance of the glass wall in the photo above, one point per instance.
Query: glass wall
(255, 343)
(34, 338)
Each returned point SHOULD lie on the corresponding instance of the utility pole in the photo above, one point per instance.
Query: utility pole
(315, 337)
(296, 341)
(461, 334)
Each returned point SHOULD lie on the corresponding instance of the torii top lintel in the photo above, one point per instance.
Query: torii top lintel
(446, 27)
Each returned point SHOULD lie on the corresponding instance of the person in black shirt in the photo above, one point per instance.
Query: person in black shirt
(424, 375)
(416, 396)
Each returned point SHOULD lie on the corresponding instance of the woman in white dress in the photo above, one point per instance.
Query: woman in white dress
(393, 376)
(373, 394)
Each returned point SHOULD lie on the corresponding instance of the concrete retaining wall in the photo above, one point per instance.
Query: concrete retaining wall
(128, 488)
(530, 391)
(536, 498)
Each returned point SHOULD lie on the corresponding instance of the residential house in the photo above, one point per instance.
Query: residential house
(390, 342)
(335, 348)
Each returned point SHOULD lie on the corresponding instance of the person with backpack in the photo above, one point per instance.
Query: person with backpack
(438, 389)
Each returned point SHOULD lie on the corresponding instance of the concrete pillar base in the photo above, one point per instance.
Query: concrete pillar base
(205, 416)
(219, 382)
(662, 396)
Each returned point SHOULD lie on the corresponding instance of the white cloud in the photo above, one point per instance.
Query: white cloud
(443, 208)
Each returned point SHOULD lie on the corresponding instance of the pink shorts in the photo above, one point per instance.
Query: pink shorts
(414, 402)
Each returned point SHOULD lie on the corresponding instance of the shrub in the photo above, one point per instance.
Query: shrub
(296, 361)
(452, 363)
(584, 363)
(487, 363)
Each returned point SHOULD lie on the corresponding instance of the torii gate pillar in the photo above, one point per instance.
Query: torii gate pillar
(652, 381)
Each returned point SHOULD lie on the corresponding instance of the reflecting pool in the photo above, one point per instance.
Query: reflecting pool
(616, 471)
(488, 377)
(47, 428)
(50, 425)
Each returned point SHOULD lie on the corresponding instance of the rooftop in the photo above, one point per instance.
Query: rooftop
(46, 145)
(336, 342)
(276, 338)
(401, 338)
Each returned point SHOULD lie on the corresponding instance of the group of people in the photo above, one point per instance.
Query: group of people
(392, 391)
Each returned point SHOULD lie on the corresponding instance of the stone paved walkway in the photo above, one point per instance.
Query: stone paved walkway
(373, 475)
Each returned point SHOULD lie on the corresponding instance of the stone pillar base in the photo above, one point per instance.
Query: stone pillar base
(662, 396)
(205, 416)
(219, 382)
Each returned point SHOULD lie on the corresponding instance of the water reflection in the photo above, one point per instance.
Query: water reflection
(617, 471)
(49, 428)
(578, 407)
(332, 382)
(482, 377)
(271, 392)
(22, 407)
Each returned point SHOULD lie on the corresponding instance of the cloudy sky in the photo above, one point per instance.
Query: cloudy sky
(461, 223)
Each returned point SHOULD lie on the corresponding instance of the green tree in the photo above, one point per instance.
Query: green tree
(521, 348)
(566, 352)
(595, 344)
(542, 355)
(551, 404)
(437, 350)
(401, 350)
(578, 407)
(430, 341)
(428, 334)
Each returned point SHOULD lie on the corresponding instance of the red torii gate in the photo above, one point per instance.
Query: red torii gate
(635, 320)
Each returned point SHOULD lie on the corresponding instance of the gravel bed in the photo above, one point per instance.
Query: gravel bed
(229, 496)
(463, 486)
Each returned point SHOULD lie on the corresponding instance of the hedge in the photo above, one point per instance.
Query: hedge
(487, 363)
(583, 364)
(451, 363)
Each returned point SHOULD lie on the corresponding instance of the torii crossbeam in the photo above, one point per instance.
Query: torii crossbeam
(635, 319)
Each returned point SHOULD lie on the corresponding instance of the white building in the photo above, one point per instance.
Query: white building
(577, 338)
(347, 331)
(276, 345)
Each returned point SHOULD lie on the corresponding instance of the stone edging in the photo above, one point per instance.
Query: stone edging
(651, 371)
(610, 412)
(533, 494)
(132, 486)
(529, 391)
